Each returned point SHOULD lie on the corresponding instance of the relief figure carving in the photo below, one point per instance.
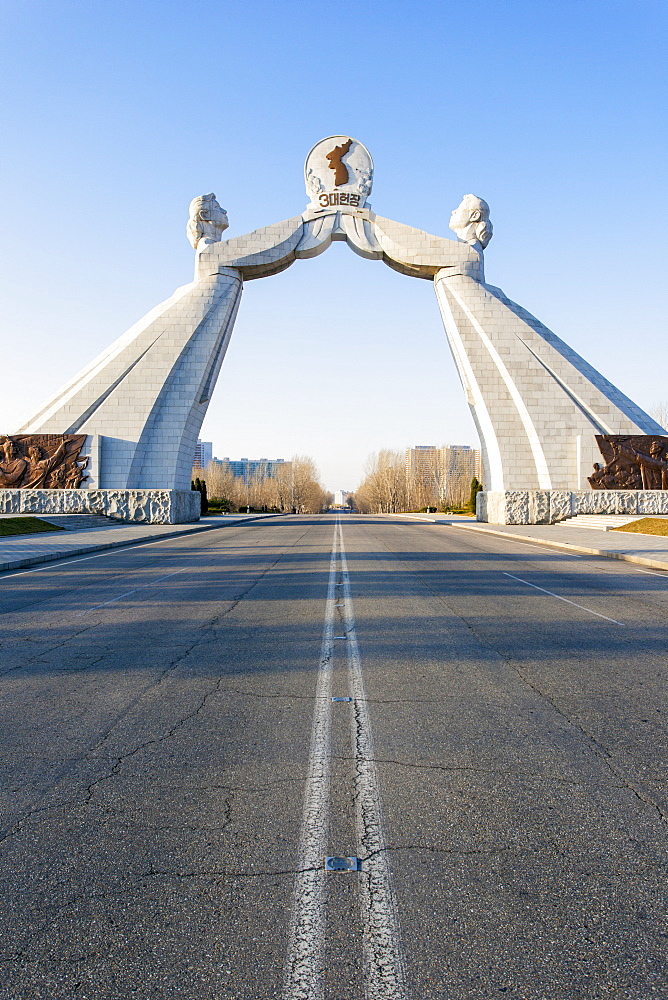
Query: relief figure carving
(42, 462)
(654, 468)
(12, 469)
(633, 462)
(40, 467)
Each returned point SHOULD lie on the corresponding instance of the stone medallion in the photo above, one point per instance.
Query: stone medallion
(339, 174)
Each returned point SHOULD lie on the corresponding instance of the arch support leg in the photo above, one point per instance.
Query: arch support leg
(537, 405)
(146, 396)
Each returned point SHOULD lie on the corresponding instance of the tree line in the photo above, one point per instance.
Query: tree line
(391, 486)
(295, 489)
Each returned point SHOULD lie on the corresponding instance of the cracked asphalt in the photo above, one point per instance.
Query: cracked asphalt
(155, 749)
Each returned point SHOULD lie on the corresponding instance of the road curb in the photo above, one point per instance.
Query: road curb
(532, 540)
(124, 543)
(583, 549)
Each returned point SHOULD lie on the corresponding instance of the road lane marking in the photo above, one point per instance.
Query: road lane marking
(565, 599)
(128, 592)
(7, 574)
(304, 961)
(384, 963)
(55, 564)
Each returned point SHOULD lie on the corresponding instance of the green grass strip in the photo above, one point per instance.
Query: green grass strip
(25, 526)
(647, 526)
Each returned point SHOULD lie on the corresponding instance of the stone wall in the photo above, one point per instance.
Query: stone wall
(137, 506)
(550, 506)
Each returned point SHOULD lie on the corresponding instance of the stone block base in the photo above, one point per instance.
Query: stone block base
(550, 506)
(137, 506)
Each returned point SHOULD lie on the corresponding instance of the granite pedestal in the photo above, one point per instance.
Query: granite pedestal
(137, 506)
(550, 506)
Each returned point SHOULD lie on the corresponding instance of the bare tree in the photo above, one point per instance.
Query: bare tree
(281, 487)
(308, 495)
(384, 488)
(222, 484)
(293, 486)
(660, 413)
(421, 477)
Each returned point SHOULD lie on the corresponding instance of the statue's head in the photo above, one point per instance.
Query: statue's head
(470, 221)
(34, 453)
(656, 449)
(9, 449)
(208, 221)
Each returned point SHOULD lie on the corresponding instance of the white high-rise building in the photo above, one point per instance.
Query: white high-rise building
(422, 462)
(340, 498)
(250, 469)
(203, 454)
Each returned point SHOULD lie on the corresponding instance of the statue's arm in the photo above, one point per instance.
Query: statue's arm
(260, 253)
(423, 255)
(648, 461)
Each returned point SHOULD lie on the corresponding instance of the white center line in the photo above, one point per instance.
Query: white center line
(565, 599)
(304, 962)
(384, 963)
(128, 592)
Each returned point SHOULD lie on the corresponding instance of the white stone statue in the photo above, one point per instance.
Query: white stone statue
(470, 222)
(208, 221)
(538, 406)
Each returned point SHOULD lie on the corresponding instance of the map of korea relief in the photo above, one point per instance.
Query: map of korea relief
(335, 163)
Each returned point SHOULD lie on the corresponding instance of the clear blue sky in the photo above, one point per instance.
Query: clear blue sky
(116, 114)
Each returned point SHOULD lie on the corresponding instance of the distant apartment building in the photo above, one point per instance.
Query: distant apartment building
(203, 454)
(422, 462)
(460, 464)
(443, 473)
(252, 469)
(340, 498)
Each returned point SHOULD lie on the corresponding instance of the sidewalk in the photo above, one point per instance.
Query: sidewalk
(17, 551)
(643, 550)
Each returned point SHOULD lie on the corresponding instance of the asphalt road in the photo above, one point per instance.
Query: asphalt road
(175, 770)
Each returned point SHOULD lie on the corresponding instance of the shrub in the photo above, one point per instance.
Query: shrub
(200, 486)
(476, 488)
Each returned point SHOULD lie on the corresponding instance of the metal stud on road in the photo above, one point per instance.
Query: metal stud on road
(336, 864)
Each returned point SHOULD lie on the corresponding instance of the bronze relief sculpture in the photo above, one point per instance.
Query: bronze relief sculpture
(632, 462)
(42, 462)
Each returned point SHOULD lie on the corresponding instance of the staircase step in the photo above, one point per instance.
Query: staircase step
(81, 522)
(604, 522)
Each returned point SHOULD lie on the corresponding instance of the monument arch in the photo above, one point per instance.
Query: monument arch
(538, 406)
